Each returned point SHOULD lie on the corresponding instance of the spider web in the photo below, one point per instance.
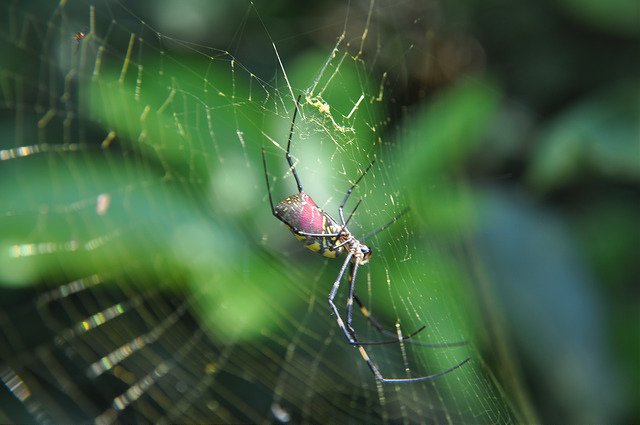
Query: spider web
(143, 276)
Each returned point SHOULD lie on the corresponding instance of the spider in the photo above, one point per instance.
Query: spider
(322, 234)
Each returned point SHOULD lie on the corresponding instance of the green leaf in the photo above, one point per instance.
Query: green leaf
(596, 137)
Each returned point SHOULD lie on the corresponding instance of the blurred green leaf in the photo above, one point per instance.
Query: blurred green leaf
(86, 213)
(438, 142)
(615, 16)
(442, 136)
(549, 296)
(596, 137)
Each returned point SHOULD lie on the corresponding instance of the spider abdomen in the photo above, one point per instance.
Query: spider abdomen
(302, 215)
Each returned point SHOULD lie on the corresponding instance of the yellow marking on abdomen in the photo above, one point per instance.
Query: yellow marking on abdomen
(315, 247)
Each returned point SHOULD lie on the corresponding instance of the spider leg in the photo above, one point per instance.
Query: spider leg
(266, 176)
(344, 226)
(351, 336)
(287, 154)
(273, 209)
(367, 314)
(353, 269)
(316, 235)
(386, 225)
(348, 331)
(425, 378)
(348, 194)
(385, 331)
(351, 278)
(332, 295)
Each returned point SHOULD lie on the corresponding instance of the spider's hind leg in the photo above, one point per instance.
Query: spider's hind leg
(352, 296)
(388, 332)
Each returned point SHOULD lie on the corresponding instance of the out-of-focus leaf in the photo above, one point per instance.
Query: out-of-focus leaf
(610, 233)
(438, 142)
(615, 16)
(161, 119)
(598, 136)
(442, 136)
(548, 295)
(89, 213)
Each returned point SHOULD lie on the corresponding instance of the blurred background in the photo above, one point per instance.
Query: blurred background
(144, 279)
